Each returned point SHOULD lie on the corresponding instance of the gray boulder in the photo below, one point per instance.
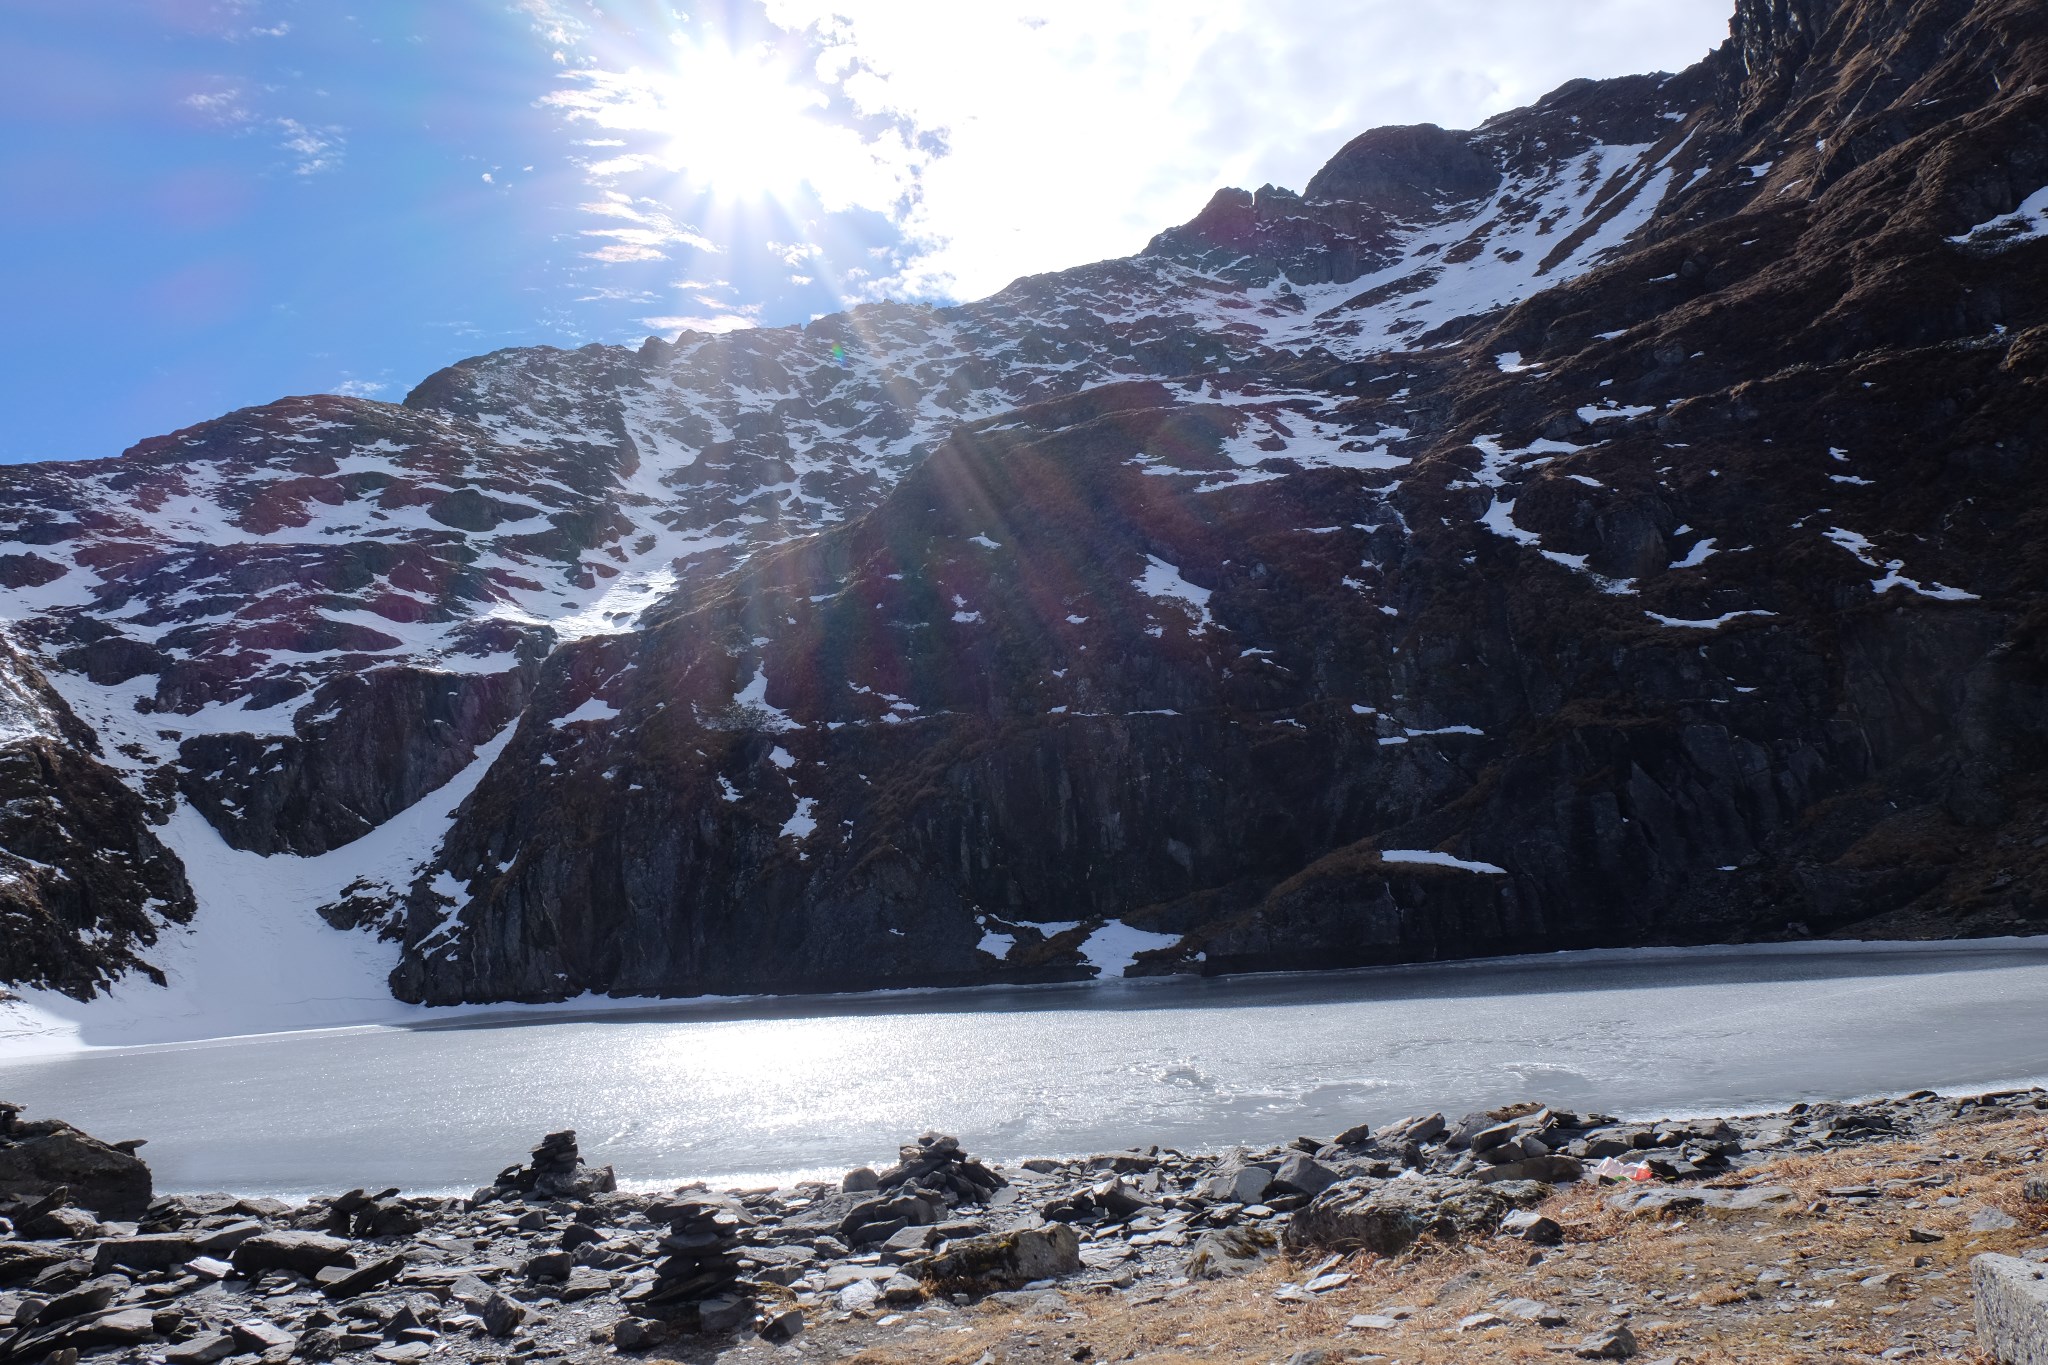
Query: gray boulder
(1230, 1251)
(1389, 1216)
(1237, 1184)
(1305, 1175)
(983, 1265)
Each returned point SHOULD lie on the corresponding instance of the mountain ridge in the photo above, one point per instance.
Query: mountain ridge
(1381, 511)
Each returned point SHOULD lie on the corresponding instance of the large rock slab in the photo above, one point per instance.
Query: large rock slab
(2012, 1309)
(1389, 1216)
(38, 1157)
(302, 1253)
(152, 1251)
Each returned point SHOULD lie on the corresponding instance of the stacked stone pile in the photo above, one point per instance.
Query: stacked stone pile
(555, 1172)
(703, 1278)
(935, 1168)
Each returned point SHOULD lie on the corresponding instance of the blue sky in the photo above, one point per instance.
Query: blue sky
(214, 203)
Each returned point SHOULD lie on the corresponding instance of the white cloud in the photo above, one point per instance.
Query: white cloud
(1002, 143)
(717, 322)
(358, 388)
(1076, 132)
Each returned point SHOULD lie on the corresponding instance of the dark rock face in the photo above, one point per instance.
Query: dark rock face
(1617, 524)
(378, 742)
(1407, 171)
(85, 884)
(1641, 637)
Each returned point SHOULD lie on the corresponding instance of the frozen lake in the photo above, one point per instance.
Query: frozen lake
(745, 1094)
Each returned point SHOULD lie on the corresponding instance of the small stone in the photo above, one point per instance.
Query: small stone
(2035, 1191)
(1529, 1310)
(549, 1265)
(723, 1314)
(1993, 1220)
(1611, 1343)
(254, 1334)
(1533, 1228)
(1305, 1175)
(1479, 1322)
(635, 1334)
(402, 1353)
(1231, 1251)
(860, 1180)
(778, 1327)
(1323, 1284)
(501, 1316)
(906, 1242)
(1239, 1185)
(1373, 1322)
(860, 1295)
(1925, 1235)
(901, 1290)
(586, 1283)
(349, 1283)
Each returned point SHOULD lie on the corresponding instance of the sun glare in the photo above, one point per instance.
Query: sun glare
(737, 123)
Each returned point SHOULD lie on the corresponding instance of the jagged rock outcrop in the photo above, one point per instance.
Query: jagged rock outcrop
(1615, 524)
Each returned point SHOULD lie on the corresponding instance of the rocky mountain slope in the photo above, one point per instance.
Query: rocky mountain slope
(1617, 524)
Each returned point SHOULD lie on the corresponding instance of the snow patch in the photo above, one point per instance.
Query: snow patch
(1430, 858)
(597, 708)
(1113, 949)
(1163, 582)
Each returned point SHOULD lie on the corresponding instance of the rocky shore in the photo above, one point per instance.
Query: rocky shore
(1829, 1231)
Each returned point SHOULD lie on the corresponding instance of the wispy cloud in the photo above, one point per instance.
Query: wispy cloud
(649, 228)
(314, 149)
(358, 388)
(223, 106)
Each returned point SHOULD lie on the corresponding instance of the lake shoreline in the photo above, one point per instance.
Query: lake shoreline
(1347, 1235)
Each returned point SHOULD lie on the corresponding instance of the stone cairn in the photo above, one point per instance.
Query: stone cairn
(936, 1170)
(556, 1172)
(704, 1279)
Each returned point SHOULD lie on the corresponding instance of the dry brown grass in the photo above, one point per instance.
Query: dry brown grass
(1690, 1284)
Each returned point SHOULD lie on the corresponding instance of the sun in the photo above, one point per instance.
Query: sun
(738, 124)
